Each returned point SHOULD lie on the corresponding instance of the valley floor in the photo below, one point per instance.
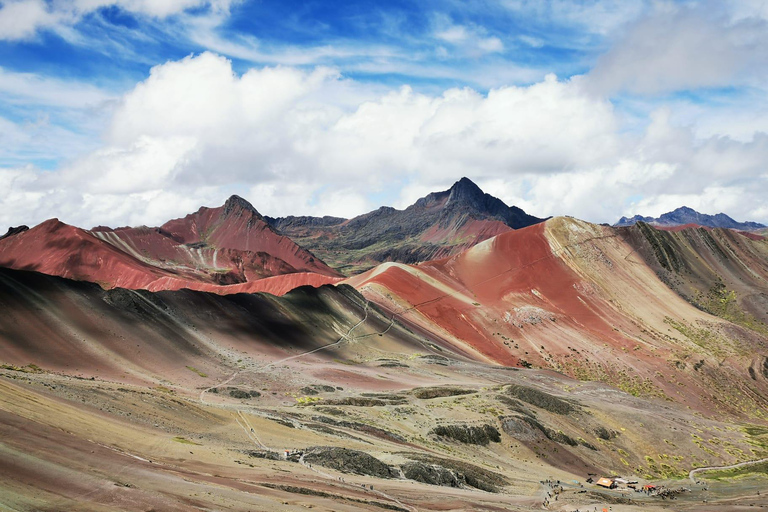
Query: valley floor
(73, 443)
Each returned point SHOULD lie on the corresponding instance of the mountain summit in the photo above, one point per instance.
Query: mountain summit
(685, 215)
(467, 196)
(438, 225)
(225, 249)
(237, 204)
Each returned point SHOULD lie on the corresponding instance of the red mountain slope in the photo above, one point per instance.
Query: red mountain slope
(577, 298)
(209, 250)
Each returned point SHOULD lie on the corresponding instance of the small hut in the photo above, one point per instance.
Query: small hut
(608, 483)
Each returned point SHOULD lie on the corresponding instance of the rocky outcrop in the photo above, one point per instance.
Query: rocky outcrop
(541, 399)
(14, 231)
(468, 434)
(348, 461)
(432, 474)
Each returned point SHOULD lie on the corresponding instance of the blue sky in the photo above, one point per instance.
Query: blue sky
(135, 111)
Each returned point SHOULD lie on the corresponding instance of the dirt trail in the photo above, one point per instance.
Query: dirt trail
(733, 466)
(289, 358)
(243, 422)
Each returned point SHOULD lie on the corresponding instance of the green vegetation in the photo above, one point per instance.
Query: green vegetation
(757, 436)
(707, 339)
(30, 368)
(307, 400)
(724, 303)
(743, 471)
(184, 440)
(193, 369)
(586, 370)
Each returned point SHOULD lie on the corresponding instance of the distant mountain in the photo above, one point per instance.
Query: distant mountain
(436, 226)
(229, 248)
(685, 215)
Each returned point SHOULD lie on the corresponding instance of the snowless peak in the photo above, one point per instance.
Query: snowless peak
(236, 203)
(465, 189)
(685, 215)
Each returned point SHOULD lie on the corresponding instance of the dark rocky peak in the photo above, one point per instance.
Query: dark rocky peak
(466, 198)
(237, 204)
(14, 231)
(466, 190)
(464, 194)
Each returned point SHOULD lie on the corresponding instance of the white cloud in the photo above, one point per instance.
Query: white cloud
(311, 142)
(33, 89)
(22, 19)
(595, 16)
(467, 39)
(684, 47)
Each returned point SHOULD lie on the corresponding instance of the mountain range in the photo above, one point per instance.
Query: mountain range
(438, 225)
(473, 352)
(684, 216)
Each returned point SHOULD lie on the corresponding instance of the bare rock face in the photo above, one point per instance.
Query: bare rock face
(349, 461)
(541, 399)
(14, 231)
(520, 429)
(432, 474)
(468, 434)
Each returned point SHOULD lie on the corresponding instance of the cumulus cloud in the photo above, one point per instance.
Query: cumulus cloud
(296, 141)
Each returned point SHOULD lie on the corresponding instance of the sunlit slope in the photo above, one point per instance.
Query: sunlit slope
(721, 271)
(576, 297)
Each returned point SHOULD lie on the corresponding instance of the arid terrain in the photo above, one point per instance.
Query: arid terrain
(508, 375)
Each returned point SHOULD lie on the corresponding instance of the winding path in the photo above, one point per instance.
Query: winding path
(243, 422)
(733, 466)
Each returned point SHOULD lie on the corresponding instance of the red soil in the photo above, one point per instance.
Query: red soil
(483, 291)
(235, 226)
(276, 285)
(56, 248)
(229, 249)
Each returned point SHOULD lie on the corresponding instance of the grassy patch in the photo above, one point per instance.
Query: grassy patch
(307, 400)
(760, 469)
(707, 339)
(193, 369)
(30, 368)
(724, 303)
(184, 440)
